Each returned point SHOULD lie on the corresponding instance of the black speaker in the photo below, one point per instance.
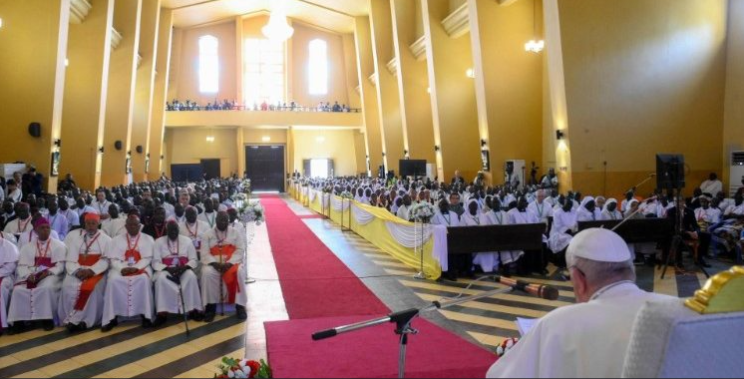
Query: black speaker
(670, 171)
(34, 129)
(140, 149)
(118, 145)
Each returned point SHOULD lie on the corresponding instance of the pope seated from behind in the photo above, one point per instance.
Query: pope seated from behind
(591, 338)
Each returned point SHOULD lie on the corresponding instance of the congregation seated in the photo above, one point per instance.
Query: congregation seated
(190, 106)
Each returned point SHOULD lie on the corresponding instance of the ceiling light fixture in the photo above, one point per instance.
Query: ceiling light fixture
(535, 45)
(278, 29)
(266, 139)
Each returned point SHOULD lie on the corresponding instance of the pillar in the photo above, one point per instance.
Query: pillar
(160, 93)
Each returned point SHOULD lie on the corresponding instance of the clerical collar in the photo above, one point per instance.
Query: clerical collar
(609, 288)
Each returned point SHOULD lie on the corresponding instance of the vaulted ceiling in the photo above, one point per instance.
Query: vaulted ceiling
(335, 15)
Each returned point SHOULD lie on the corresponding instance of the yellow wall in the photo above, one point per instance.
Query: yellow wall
(187, 55)
(339, 145)
(733, 132)
(190, 146)
(511, 81)
(337, 89)
(33, 79)
(649, 79)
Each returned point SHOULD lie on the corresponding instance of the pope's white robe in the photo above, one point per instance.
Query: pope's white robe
(579, 341)
(562, 223)
(211, 280)
(114, 227)
(30, 238)
(8, 262)
(41, 302)
(18, 227)
(77, 245)
(167, 294)
(129, 296)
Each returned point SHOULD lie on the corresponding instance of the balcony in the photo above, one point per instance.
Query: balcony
(251, 118)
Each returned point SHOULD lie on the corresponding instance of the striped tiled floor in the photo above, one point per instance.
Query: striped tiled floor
(130, 351)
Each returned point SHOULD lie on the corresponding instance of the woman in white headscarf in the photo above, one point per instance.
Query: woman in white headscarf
(610, 212)
(588, 210)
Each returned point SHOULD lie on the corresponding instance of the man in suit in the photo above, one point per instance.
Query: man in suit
(691, 231)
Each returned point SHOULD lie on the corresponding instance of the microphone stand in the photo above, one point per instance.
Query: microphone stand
(403, 321)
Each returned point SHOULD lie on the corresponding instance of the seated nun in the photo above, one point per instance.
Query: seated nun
(589, 339)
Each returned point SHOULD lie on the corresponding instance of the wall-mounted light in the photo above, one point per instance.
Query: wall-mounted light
(129, 154)
(1, 23)
(101, 150)
(266, 139)
(58, 142)
(428, 89)
(437, 148)
(484, 143)
(384, 154)
(67, 62)
(470, 73)
(148, 155)
(162, 157)
(210, 139)
(559, 135)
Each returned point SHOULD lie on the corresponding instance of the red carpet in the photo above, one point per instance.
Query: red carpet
(371, 353)
(315, 283)
(320, 292)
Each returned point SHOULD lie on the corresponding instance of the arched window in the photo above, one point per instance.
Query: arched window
(318, 73)
(209, 65)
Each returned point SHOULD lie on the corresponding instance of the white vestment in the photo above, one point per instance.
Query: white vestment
(196, 233)
(450, 220)
(515, 217)
(102, 208)
(541, 212)
(579, 341)
(8, 263)
(562, 223)
(114, 227)
(79, 245)
(489, 262)
(129, 296)
(211, 280)
(712, 187)
(30, 237)
(209, 218)
(167, 294)
(41, 302)
(18, 227)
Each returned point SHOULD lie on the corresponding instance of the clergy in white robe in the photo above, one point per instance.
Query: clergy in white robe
(712, 186)
(223, 269)
(588, 210)
(115, 225)
(195, 229)
(81, 304)
(8, 263)
(610, 212)
(129, 287)
(176, 284)
(30, 237)
(22, 224)
(210, 215)
(565, 224)
(519, 216)
(540, 208)
(490, 262)
(38, 280)
(59, 222)
(590, 339)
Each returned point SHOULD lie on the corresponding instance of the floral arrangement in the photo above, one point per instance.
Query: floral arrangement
(251, 211)
(506, 346)
(347, 195)
(233, 368)
(423, 212)
(240, 197)
(246, 185)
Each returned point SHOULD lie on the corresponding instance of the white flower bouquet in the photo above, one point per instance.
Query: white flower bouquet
(423, 212)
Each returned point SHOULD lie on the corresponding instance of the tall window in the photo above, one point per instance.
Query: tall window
(264, 72)
(318, 67)
(209, 65)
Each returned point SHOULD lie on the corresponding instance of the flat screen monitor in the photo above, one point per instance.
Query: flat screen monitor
(410, 167)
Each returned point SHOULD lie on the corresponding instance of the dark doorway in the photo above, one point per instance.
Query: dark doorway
(187, 172)
(211, 168)
(265, 167)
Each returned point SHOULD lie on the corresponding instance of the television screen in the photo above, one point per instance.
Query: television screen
(414, 168)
